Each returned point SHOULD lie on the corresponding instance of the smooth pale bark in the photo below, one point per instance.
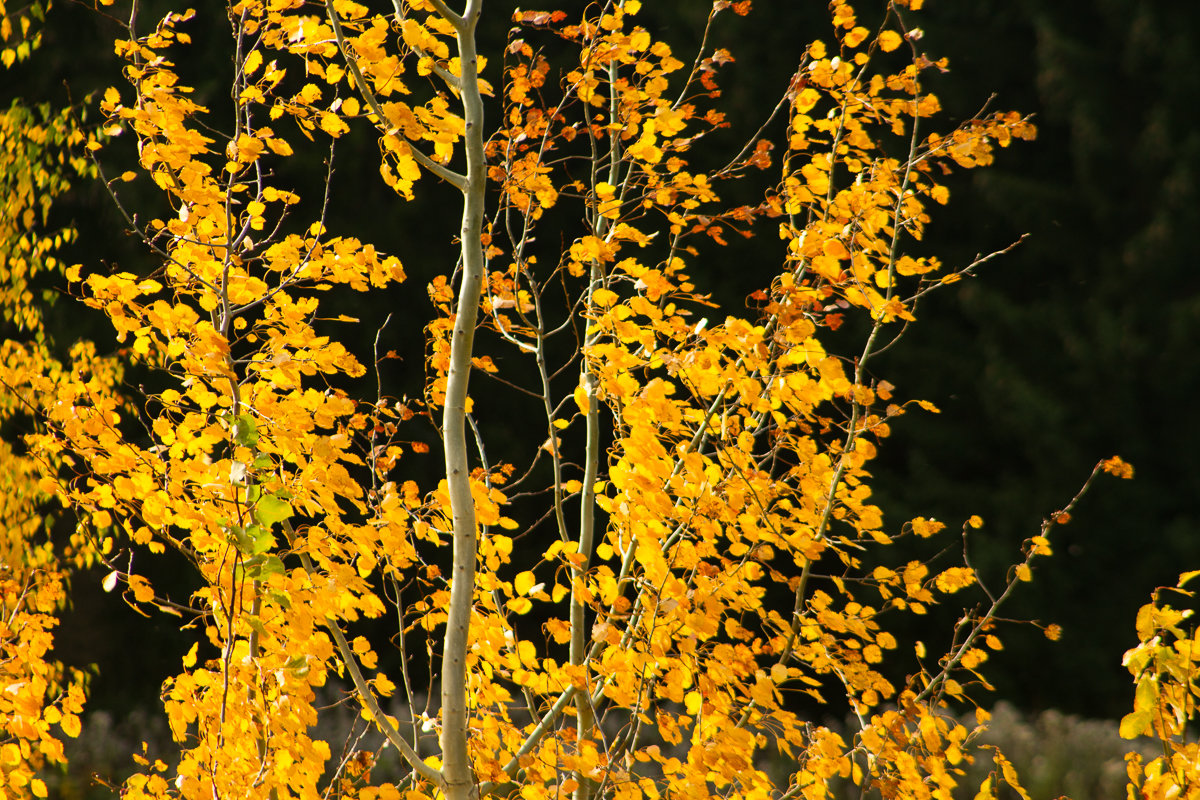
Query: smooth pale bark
(456, 765)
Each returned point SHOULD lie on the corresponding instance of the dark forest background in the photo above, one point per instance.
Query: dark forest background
(1078, 345)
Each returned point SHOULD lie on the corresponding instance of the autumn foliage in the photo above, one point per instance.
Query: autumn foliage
(648, 593)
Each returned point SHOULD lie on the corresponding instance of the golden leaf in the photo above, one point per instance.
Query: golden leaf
(889, 41)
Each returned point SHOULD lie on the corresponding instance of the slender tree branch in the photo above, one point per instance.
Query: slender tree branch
(982, 623)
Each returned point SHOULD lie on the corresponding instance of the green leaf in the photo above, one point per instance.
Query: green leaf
(272, 509)
(245, 431)
(262, 565)
(255, 623)
(252, 540)
(281, 598)
(261, 537)
(241, 541)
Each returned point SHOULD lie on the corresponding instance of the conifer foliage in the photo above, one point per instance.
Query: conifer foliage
(644, 596)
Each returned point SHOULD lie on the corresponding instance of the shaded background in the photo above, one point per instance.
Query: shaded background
(1077, 346)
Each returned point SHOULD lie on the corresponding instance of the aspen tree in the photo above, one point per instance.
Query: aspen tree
(639, 597)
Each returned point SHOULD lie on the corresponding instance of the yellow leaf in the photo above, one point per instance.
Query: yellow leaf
(835, 249)
(332, 124)
(926, 527)
(519, 605)
(142, 591)
(523, 583)
(71, 725)
(889, 41)
(604, 297)
(693, 702)
(280, 147)
(581, 398)
(955, 578)
(1010, 775)
(1135, 724)
(807, 99)
(38, 787)
(527, 653)
(253, 62)
(973, 658)
(559, 630)
(189, 660)
(855, 37)
(309, 94)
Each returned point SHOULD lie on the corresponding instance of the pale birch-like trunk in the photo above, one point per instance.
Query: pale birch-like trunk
(456, 767)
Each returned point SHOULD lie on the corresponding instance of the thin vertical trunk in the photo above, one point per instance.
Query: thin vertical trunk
(584, 716)
(456, 766)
